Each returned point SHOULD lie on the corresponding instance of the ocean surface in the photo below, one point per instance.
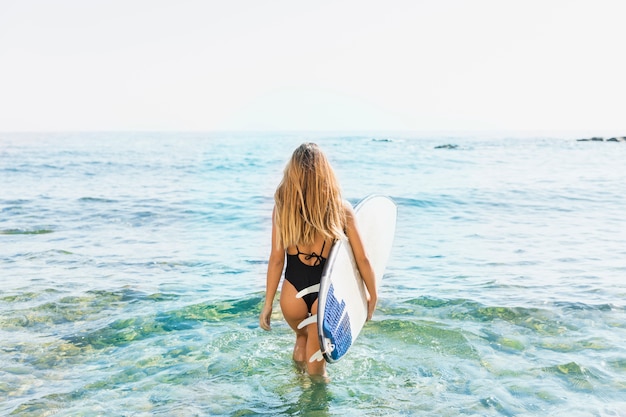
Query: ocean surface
(132, 273)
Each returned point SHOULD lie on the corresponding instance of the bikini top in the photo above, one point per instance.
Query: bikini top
(308, 256)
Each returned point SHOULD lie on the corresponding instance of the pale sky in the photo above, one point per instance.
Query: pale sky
(312, 65)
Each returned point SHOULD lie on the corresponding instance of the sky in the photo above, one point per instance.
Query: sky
(358, 65)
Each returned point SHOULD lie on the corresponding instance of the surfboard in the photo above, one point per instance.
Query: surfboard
(342, 305)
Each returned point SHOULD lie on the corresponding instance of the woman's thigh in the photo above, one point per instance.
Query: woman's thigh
(294, 309)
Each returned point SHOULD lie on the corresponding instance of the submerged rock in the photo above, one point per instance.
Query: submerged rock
(447, 146)
(601, 139)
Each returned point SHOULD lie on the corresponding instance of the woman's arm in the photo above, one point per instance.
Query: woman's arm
(362, 261)
(274, 271)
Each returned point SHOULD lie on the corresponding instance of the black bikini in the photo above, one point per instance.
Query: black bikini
(303, 276)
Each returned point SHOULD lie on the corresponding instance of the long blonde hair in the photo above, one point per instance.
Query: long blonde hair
(308, 199)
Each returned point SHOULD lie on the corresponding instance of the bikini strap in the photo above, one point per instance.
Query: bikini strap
(309, 256)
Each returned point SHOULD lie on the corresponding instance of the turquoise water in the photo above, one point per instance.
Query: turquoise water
(133, 269)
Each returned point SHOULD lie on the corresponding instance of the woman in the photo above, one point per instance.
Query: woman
(309, 216)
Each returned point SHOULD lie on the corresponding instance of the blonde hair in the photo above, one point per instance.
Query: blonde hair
(308, 199)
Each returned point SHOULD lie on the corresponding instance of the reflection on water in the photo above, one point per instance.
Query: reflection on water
(314, 398)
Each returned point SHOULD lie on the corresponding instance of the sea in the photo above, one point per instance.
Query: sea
(132, 274)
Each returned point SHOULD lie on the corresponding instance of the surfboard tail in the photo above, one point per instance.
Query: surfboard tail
(336, 326)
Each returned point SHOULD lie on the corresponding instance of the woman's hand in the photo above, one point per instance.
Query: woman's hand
(264, 318)
(371, 306)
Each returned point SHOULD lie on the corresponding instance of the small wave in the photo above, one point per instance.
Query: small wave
(431, 302)
(96, 200)
(501, 342)
(535, 319)
(583, 306)
(431, 335)
(19, 298)
(413, 202)
(90, 306)
(578, 377)
(619, 365)
(18, 202)
(124, 331)
(25, 231)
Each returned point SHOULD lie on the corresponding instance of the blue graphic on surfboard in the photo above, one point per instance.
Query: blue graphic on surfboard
(342, 305)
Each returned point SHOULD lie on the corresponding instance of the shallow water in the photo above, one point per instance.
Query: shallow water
(133, 274)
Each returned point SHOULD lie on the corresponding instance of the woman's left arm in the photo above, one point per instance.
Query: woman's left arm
(274, 272)
(362, 261)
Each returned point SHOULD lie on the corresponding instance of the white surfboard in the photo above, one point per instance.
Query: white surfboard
(342, 305)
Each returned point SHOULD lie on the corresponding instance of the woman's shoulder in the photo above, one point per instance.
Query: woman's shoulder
(348, 211)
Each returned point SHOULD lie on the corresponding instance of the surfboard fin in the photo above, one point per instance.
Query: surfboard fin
(308, 290)
(309, 320)
(317, 356)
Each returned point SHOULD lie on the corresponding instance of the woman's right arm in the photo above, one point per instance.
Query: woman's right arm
(274, 271)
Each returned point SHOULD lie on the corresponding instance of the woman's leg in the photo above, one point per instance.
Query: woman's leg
(294, 310)
(312, 346)
(307, 341)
